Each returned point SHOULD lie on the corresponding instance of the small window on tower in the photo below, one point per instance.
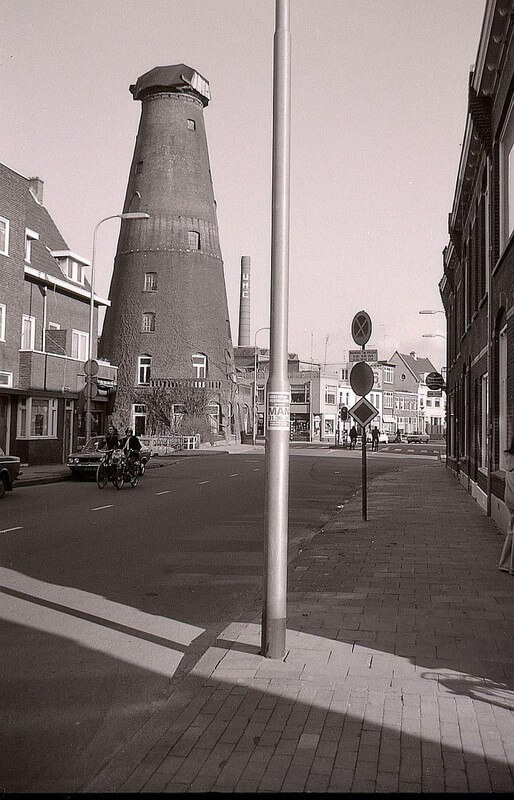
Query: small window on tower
(150, 282)
(193, 240)
(191, 125)
(148, 322)
(139, 167)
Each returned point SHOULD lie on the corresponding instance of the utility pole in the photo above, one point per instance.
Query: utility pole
(273, 630)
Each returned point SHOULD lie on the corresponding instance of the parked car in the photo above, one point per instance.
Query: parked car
(85, 461)
(417, 438)
(9, 471)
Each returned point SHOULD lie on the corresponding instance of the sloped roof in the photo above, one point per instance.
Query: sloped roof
(418, 366)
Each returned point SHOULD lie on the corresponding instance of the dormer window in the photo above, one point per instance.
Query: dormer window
(30, 236)
(72, 266)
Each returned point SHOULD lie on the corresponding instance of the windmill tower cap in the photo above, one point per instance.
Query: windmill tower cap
(176, 78)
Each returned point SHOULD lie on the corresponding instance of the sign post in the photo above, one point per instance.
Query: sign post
(361, 381)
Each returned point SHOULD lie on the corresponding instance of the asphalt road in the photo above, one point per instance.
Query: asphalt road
(106, 596)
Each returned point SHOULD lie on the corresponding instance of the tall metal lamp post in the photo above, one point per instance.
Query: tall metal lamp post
(128, 215)
(254, 403)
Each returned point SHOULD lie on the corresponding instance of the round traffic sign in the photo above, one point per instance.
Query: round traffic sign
(434, 380)
(91, 367)
(361, 378)
(361, 328)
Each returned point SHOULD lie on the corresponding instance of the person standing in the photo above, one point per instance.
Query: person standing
(132, 448)
(374, 439)
(353, 437)
(507, 557)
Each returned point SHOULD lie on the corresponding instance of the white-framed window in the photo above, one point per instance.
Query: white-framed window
(5, 378)
(330, 395)
(148, 322)
(30, 236)
(4, 236)
(150, 284)
(72, 269)
(388, 399)
(37, 418)
(191, 125)
(344, 374)
(260, 395)
(388, 375)
(53, 326)
(139, 416)
(28, 332)
(144, 370)
(199, 365)
(193, 240)
(507, 178)
(79, 345)
(3, 316)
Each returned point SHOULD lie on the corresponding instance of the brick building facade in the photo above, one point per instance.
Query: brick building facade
(168, 325)
(477, 286)
(44, 329)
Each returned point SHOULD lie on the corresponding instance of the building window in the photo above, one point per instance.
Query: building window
(79, 345)
(3, 314)
(30, 236)
(193, 240)
(148, 322)
(502, 394)
(484, 392)
(150, 282)
(139, 167)
(28, 332)
(4, 236)
(144, 369)
(300, 394)
(260, 395)
(344, 374)
(388, 375)
(139, 415)
(330, 395)
(72, 270)
(214, 417)
(5, 378)
(507, 178)
(388, 399)
(37, 418)
(53, 326)
(199, 365)
(191, 125)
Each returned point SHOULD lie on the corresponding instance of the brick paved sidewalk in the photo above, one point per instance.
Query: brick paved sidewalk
(398, 675)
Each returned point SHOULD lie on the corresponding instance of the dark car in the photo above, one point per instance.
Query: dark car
(9, 471)
(86, 461)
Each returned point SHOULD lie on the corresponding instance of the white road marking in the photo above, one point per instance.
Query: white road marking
(203, 482)
(166, 492)
(256, 469)
(100, 508)
(19, 528)
(233, 475)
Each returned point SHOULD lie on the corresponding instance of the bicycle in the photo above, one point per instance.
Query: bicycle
(111, 468)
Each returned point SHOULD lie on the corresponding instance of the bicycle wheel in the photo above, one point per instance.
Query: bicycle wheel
(134, 479)
(101, 476)
(119, 476)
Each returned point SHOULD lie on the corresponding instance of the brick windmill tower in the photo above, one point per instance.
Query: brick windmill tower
(168, 324)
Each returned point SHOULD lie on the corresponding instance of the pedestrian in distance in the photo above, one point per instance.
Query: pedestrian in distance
(507, 557)
(374, 439)
(353, 437)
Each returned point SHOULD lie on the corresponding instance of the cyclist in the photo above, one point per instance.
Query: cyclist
(132, 448)
(110, 442)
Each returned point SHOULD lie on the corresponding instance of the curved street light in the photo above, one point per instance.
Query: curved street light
(254, 404)
(127, 215)
(433, 336)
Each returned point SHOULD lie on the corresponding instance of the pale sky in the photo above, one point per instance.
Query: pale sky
(379, 100)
